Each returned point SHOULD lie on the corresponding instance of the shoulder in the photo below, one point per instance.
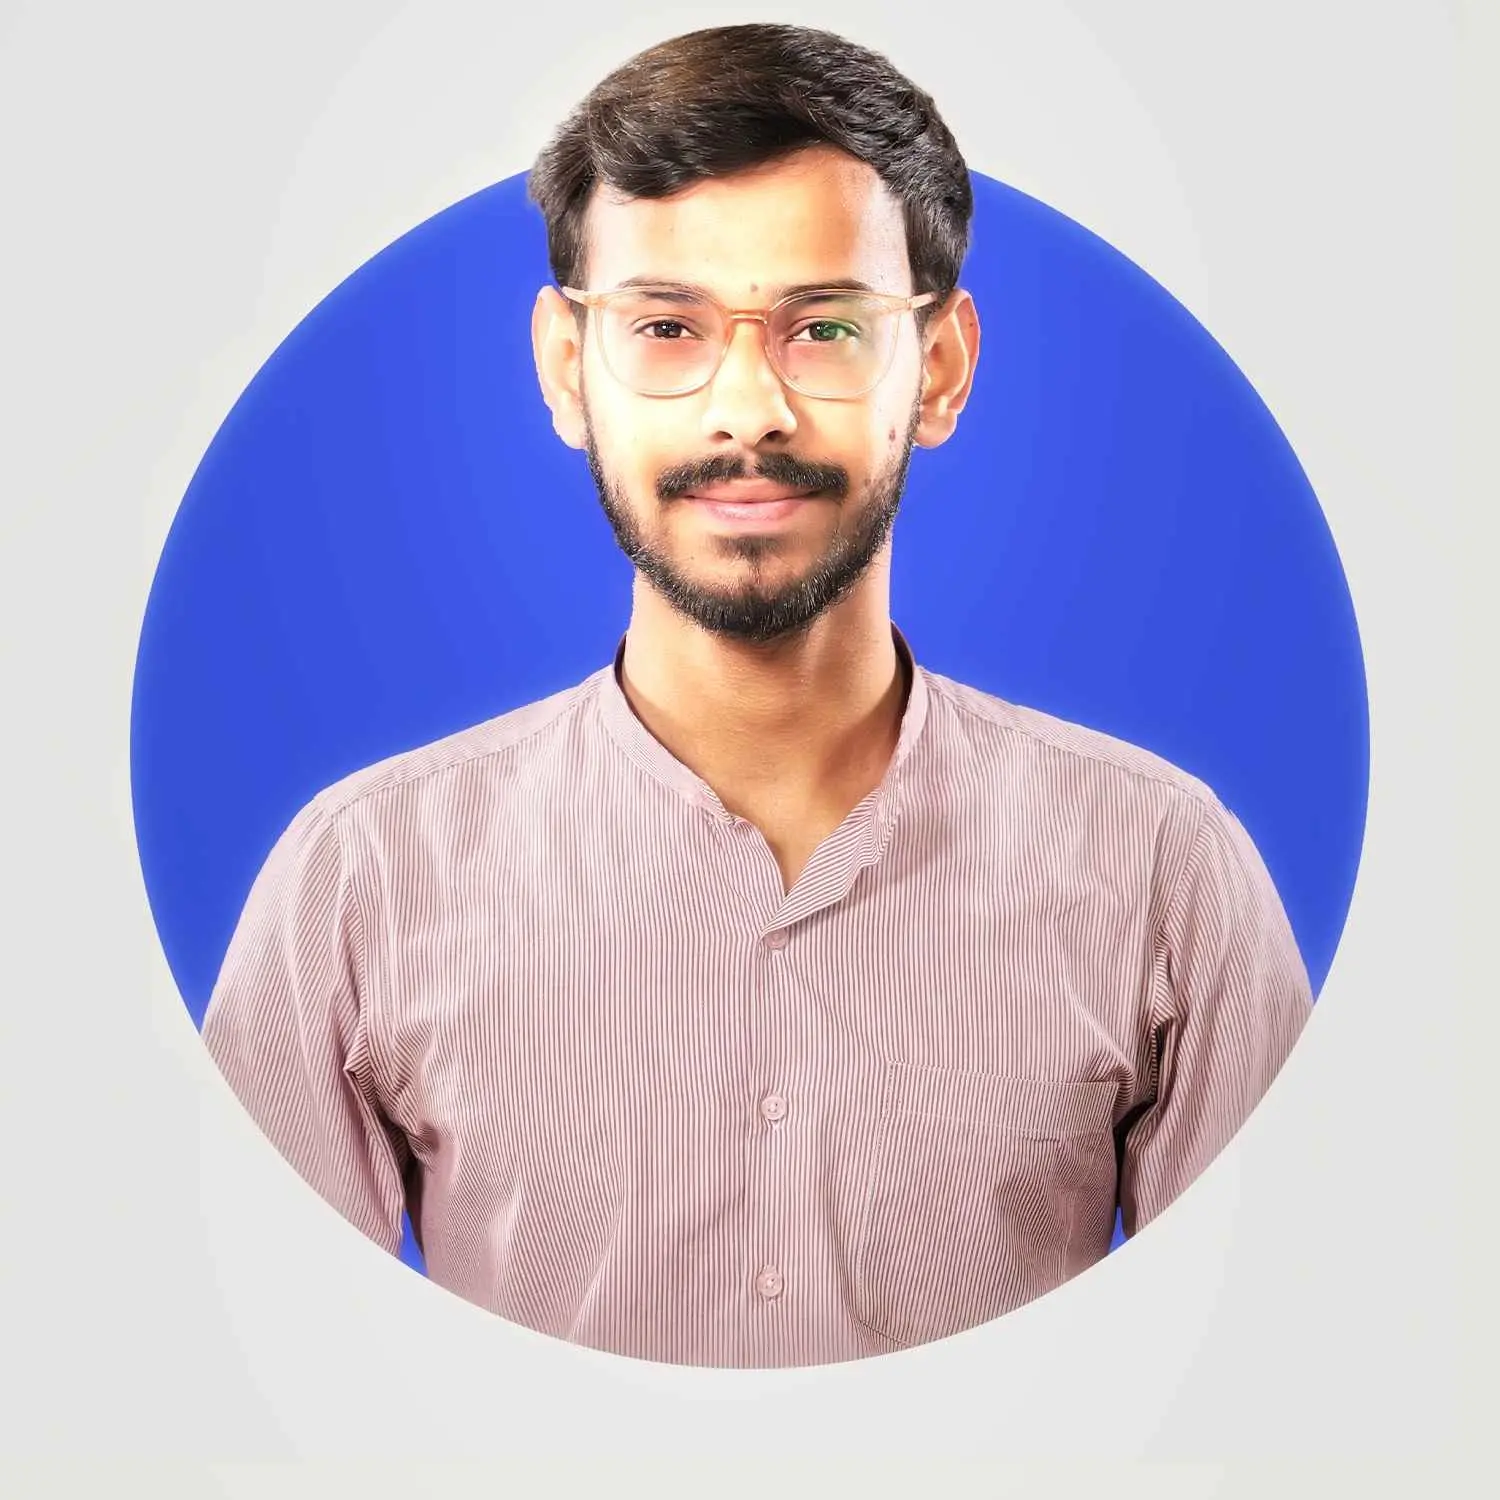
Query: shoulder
(1072, 757)
(498, 748)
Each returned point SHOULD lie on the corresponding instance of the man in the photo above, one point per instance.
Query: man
(765, 999)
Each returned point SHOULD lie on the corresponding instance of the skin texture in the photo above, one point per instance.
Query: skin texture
(762, 661)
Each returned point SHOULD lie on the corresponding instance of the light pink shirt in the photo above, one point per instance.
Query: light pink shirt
(535, 983)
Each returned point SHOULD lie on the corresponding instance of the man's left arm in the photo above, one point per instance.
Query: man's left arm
(1230, 995)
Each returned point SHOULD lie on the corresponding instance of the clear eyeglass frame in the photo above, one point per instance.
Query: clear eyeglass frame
(598, 302)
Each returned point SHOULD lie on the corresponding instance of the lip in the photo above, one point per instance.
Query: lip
(751, 502)
(747, 492)
(742, 513)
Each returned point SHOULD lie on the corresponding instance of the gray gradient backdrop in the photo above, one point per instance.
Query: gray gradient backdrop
(179, 1315)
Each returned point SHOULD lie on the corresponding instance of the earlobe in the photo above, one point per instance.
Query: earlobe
(558, 358)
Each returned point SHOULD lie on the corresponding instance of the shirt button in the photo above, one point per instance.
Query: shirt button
(770, 1283)
(776, 939)
(773, 1107)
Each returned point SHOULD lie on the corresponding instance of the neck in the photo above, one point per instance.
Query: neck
(808, 722)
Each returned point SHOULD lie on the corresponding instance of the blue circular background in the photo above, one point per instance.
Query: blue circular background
(386, 542)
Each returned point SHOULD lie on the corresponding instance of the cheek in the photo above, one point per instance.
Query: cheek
(883, 435)
(889, 414)
(615, 433)
(634, 453)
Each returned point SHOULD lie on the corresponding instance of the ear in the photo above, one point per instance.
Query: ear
(557, 348)
(951, 350)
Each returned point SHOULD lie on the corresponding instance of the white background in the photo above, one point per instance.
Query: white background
(179, 1315)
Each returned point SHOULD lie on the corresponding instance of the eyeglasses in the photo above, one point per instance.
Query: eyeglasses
(666, 341)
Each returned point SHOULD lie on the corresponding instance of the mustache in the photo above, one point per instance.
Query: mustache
(774, 468)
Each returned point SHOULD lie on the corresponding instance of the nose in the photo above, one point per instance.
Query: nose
(746, 400)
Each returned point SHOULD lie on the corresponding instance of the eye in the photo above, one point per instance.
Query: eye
(666, 319)
(663, 328)
(826, 331)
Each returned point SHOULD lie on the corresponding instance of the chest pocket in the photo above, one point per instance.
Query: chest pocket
(983, 1192)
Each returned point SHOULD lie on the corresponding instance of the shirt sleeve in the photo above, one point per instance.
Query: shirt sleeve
(286, 1024)
(1230, 996)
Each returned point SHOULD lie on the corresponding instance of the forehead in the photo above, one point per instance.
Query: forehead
(819, 214)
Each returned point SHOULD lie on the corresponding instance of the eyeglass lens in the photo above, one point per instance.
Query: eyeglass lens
(824, 344)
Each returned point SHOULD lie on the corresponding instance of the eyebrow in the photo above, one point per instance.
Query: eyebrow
(773, 294)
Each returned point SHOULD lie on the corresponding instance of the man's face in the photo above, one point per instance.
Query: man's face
(817, 218)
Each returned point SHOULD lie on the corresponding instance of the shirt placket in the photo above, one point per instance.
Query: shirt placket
(780, 1281)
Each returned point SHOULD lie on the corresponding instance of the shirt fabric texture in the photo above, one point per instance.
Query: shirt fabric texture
(536, 985)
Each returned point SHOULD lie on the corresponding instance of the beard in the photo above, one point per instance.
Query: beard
(754, 611)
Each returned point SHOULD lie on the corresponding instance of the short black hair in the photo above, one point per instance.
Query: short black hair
(728, 98)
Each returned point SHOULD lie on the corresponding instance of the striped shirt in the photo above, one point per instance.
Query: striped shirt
(535, 985)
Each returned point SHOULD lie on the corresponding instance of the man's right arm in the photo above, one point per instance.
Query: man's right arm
(286, 1025)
